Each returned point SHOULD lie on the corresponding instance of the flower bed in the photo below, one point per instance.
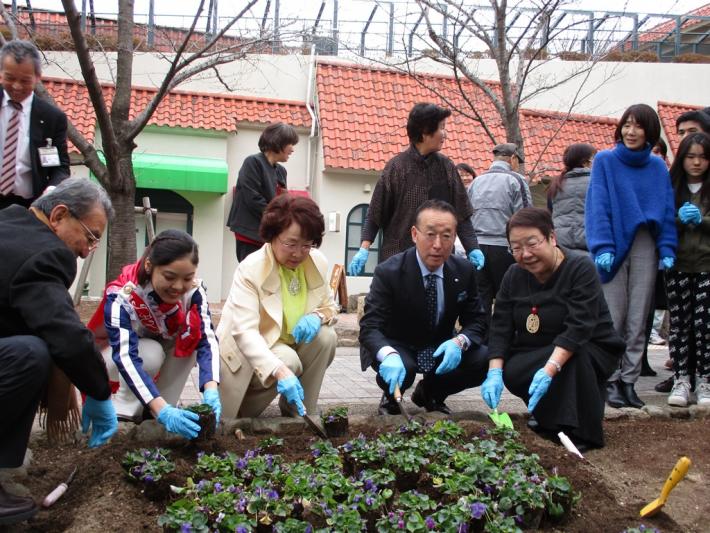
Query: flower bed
(419, 478)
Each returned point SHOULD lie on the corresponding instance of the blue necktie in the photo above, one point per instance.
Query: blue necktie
(425, 357)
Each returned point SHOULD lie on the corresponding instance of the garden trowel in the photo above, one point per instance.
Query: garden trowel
(315, 426)
(501, 420)
(398, 398)
(678, 473)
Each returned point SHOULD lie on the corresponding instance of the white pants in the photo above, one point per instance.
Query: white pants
(158, 360)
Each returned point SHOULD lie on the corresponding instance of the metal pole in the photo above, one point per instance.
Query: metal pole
(590, 35)
(215, 25)
(335, 25)
(635, 33)
(83, 15)
(277, 9)
(364, 31)
(390, 35)
(151, 24)
(678, 25)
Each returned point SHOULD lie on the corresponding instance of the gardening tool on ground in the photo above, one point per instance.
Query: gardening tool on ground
(398, 398)
(59, 490)
(678, 473)
(501, 420)
(315, 426)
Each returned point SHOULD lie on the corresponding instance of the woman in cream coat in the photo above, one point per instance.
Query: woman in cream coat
(276, 334)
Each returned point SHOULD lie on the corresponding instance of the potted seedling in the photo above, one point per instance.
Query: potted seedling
(150, 469)
(207, 420)
(335, 421)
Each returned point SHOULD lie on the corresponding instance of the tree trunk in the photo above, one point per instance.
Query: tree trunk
(122, 229)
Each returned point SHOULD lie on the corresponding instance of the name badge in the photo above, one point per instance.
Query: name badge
(49, 155)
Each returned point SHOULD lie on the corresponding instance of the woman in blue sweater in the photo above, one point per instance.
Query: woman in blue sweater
(630, 224)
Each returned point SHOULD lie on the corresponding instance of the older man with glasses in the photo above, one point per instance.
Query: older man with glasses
(411, 313)
(40, 331)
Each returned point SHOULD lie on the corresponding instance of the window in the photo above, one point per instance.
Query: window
(356, 219)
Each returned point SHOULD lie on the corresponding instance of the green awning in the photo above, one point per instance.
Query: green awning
(179, 173)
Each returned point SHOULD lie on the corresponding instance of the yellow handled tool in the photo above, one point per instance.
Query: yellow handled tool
(398, 398)
(678, 473)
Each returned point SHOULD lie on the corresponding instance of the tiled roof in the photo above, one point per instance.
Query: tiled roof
(668, 113)
(662, 30)
(363, 116)
(216, 112)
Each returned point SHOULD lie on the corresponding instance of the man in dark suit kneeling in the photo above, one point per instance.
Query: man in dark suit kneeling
(410, 317)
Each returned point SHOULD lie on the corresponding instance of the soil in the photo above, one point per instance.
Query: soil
(615, 482)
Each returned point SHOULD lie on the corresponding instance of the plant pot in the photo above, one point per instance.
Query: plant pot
(336, 428)
(207, 424)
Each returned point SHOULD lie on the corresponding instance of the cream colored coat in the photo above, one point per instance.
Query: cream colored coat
(252, 317)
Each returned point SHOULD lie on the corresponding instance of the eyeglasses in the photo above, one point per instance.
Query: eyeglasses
(294, 246)
(92, 239)
(519, 249)
(431, 236)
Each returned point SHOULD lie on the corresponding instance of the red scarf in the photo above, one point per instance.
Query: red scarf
(175, 322)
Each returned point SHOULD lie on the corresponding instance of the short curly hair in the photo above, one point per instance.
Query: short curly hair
(286, 209)
(424, 119)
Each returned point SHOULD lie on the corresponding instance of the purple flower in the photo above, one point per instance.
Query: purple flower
(308, 529)
(232, 489)
(429, 522)
(315, 453)
(201, 484)
(241, 464)
(146, 453)
(535, 479)
(200, 455)
(348, 447)
(272, 495)
(487, 490)
(241, 529)
(218, 487)
(357, 498)
(148, 478)
(186, 528)
(369, 501)
(400, 524)
(369, 484)
(478, 509)
(463, 528)
(269, 460)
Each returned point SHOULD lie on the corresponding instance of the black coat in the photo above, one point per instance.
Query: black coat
(36, 272)
(395, 311)
(46, 122)
(256, 187)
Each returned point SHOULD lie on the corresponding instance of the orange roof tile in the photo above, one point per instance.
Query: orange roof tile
(662, 30)
(363, 114)
(668, 113)
(181, 109)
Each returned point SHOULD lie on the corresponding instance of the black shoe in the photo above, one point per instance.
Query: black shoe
(631, 398)
(664, 386)
(15, 509)
(614, 395)
(388, 405)
(420, 398)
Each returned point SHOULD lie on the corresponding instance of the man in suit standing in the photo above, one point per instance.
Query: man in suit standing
(39, 327)
(33, 133)
(408, 326)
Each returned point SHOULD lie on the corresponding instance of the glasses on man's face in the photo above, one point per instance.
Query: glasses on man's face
(518, 249)
(92, 239)
(294, 246)
(431, 236)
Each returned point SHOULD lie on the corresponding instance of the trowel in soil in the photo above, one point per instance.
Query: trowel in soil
(501, 420)
(398, 398)
(315, 426)
(678, 473)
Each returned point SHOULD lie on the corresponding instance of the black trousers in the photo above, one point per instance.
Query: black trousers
(471, 372)
(490, 277)
(245, 248)
(24, 371)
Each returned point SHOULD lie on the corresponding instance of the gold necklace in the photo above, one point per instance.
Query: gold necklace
(532, 323)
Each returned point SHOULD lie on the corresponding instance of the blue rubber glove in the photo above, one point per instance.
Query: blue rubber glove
(540, 383)
(357, 265)
(291, 389)
(690, 214)
(392, 371)
(492, 388)
(211, 398)
(306, 328)
(668, 262)
(604, 261)
(101, 415)
(452, 356)
(180, 421)
(476, 257)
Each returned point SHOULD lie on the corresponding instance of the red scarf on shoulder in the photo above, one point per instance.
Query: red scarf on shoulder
(175, 322)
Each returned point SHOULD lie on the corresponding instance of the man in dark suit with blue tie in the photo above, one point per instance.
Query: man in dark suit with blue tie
(33, 132)
(409, 324)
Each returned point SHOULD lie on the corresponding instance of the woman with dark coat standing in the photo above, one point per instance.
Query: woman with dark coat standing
(260, 179)
(567, 194)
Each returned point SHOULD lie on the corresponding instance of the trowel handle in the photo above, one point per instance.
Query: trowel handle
(55, 494)
(397, 393)
(679, 471)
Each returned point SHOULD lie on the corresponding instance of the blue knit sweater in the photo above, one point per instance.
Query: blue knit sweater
(628, 189)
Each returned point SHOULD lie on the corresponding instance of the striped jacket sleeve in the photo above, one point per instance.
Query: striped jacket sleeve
(208, 347)
(124, 346)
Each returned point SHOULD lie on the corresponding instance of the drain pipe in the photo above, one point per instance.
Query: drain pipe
(311, 112)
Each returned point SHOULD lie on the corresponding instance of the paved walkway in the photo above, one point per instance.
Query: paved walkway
(346, 384)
